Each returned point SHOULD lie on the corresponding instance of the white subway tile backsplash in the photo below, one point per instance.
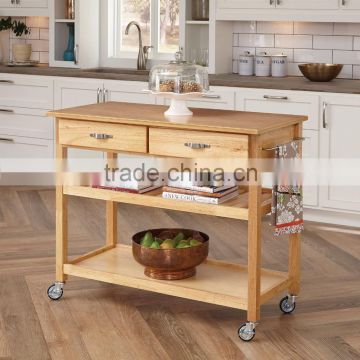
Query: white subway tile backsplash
(293, 41)
(311, 28)
(256, 40)
(275, 27)
(310, 55)
(235, 39)
(302, 42)
(333, 42)
(347, 29)
(44, 34)
(356, 72)
(245, 27)
(346, 57)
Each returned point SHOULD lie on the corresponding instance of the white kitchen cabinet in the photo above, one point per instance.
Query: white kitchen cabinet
(245, 4)
(128, 91)
(339, 136)
(307, 4)
(350, 4)
(24, 8)
(280, 102)
(26, 91)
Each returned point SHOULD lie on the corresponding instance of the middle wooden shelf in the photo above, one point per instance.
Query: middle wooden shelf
(233, 209)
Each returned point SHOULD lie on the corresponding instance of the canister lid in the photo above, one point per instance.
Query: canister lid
(263, 54)
(279, 55)
(246, 54)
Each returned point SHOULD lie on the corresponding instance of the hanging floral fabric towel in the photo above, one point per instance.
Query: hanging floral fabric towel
(287, 202)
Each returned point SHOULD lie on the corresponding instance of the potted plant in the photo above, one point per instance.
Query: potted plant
(5, 24)
(21, 52)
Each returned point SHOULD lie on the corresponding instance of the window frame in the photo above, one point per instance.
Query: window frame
(110, 39)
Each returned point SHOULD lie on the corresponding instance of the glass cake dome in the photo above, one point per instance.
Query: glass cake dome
(179, 81)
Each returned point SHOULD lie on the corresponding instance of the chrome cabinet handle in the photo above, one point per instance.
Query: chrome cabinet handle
(325, 124)
(76, 54)
(6, 81)
(7, 111)
(99, 91)
(197, 146)
(7, 140)
(101, 136)
(209, 96)
(105, 95)
(273, 97)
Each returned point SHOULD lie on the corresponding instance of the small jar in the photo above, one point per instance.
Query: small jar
(200, 10)
(70, 9)
(246, 64)
(279, 65)
(263, 65)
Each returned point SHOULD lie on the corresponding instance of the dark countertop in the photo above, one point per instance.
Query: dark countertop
(231, 80)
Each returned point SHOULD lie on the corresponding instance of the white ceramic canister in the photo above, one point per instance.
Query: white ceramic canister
(263, 65)
(246, 64)
(279, 65)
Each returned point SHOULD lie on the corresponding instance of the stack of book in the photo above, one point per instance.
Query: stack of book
(132, 187)
(204, 194)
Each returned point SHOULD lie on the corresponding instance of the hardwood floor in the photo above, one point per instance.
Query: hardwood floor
(100, 321)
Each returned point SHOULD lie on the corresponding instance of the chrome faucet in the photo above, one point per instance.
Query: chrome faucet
(143, 50)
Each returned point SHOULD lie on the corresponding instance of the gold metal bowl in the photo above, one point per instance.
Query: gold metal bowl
(170, 264)
(320, 72)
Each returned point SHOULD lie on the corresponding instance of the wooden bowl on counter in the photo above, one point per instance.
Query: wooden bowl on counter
(320, 72)
(170, 264)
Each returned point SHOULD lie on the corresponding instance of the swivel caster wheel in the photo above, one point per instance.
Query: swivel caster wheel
(55, 291)
(288, 304)
(246, 331)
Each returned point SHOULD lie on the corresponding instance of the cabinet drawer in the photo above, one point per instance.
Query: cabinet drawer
(31, 123)
(119, 137)
(27, 92)
(281, 102)
(166, 142)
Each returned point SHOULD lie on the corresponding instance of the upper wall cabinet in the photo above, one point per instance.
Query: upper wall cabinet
(288, 10)
(24, 8)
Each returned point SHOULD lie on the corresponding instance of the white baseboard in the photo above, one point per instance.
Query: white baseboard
(332, 217)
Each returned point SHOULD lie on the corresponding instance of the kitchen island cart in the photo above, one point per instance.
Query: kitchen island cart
(142, 129)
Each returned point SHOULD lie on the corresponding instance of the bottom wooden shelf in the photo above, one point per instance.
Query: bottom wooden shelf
(215, 282)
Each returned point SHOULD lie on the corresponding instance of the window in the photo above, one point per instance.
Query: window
(159, 23)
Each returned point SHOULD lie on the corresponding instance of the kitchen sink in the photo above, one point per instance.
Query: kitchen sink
(117, 71)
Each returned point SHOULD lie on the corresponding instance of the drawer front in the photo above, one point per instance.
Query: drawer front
(281, 102)
(87, 134)
(30, 123)
(167, 142)
(26, 91)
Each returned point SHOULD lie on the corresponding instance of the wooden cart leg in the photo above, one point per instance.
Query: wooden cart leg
(294, 263)
(111, 210)
(254, 241)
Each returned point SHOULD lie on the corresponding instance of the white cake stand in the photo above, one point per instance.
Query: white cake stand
(178, 106)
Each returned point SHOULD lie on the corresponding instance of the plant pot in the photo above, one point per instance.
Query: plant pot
(21, 52)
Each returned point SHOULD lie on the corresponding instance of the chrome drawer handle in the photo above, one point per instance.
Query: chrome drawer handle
(273, 97)
(101, 136)
(7, 140)
(197, 146)
(6, 82)
(325, 123)
(7, 111)
(209, 96)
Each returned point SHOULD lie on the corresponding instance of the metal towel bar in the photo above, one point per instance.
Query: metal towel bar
(275, 147)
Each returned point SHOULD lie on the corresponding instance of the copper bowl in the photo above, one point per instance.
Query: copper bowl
(320, 72)
(170, 264)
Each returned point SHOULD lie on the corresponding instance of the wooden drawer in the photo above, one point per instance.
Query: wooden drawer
(32, 123)
(126, 138)
(167, 142)
(26, 91)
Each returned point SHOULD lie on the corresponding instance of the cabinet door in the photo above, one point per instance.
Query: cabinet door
(33, 3)
(281, 102)
(245, 4)
(128, 91)
(6, 4)
(308, 4)
(350, 4)
(77, 92)
(340, 142)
